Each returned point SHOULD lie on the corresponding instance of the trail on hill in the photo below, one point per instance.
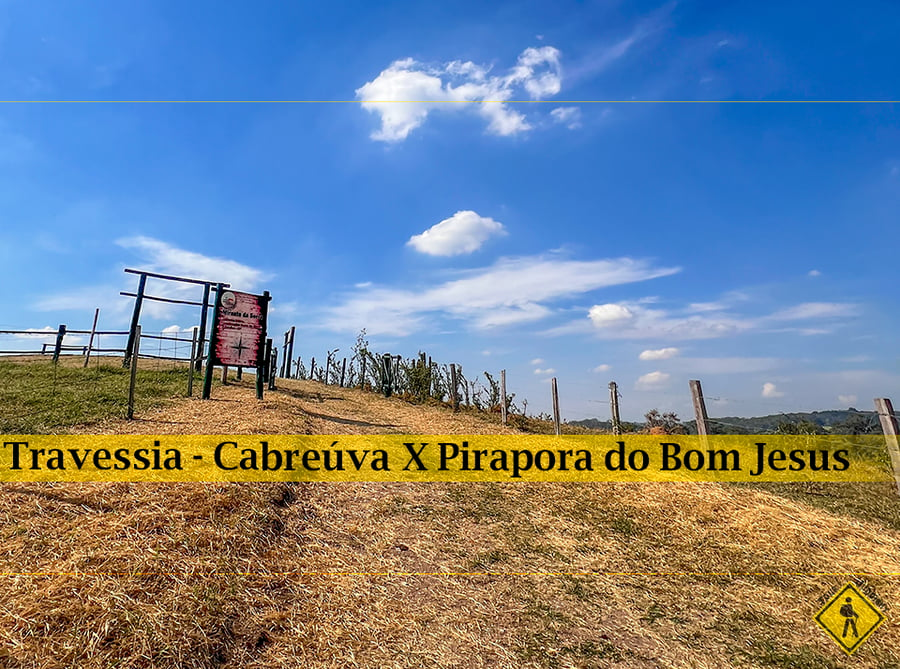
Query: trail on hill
(300, 407)
(462, 575)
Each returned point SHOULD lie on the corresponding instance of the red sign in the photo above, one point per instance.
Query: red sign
(240, 328)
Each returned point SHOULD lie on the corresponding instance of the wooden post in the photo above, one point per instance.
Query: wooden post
(135, 319)
(327, 367)
(290, 352)
(503, 409)
(262, 347)
(190, 388)
(240, 373)
(267, 370)
(213, 337)
(202, 333)
(343, 371)
(312, 369)
(87, 354)
(454, 391)
(273, 368)
(224, 375)
(135, 351)
(614, 408)
(888, 419)
(57, 349)
(362, 381)
(555, 392)
(285, 359)
(699, 408)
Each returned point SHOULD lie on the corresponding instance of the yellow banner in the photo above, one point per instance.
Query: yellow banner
(630, 458)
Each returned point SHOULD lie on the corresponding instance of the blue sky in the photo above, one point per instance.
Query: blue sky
(752, 246)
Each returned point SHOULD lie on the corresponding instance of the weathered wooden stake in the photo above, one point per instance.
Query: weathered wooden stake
(213, 337)
(454, 391)
(273, 368)
(290, 351)
(262, 359)
(614, 408)
(240, 373)
(503, 410)
(285, 359)
(885, 410)
(555, 392)
(135, 319)
(87, 353)
(699, 408)
(135, 351)
(57, 349)
(312, 369)
(202, 334)
(267, 355)
(224, 375)
(190, 388)
(343, 371)
(362, 380)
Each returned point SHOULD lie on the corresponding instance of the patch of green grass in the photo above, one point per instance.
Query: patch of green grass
(875, 502)
(486, 560)
(40, 397)
(625, 525)
(769, 654)
(654, 613)
(480, 502)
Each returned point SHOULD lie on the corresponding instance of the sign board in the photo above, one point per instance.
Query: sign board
(240, 328)
(849, 618)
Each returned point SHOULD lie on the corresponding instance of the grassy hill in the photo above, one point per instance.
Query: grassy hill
(442, 575)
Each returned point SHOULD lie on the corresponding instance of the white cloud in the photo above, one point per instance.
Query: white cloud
(601, 368)
(157, 256)
(540, 371)
(512, 290)
(537, 361)
(567, 116)
(652, 380)
(405, 93)
(814, 272)
(703, 307)
(635, 320)
(770, 390)
(177, 329)
(47, 335)
(847, 399)
(161, 257)
(856, 358)
(809, 310)
(658, 354)
(606, 315)
(464, 232)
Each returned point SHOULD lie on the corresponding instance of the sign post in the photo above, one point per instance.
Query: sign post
(238, 334)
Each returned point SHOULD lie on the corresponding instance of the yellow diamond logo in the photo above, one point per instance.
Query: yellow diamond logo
(849, 618)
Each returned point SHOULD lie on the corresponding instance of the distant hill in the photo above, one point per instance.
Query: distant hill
(837, 420)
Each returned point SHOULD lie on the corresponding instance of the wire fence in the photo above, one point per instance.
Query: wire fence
(54, 378)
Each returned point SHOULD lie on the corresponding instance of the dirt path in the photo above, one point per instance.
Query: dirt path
(300, 407)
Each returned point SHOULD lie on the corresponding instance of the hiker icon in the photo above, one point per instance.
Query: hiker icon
(850, 617)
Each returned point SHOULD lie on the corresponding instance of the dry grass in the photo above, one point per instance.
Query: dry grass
(423, 575)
